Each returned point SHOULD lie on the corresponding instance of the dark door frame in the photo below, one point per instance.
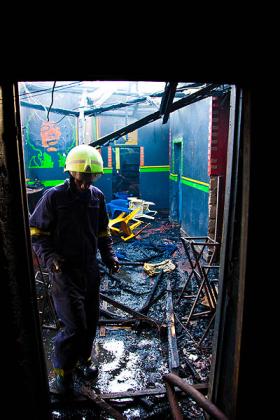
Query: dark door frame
(24, 354)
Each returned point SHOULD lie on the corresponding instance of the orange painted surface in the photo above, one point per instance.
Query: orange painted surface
(50, 135)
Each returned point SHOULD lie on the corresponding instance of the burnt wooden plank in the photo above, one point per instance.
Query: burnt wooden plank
(146, 305)
(131, 311)
(173, 356)
(203, 387)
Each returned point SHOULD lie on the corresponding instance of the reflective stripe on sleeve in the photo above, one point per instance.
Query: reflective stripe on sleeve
(104, 233)
(34, 231)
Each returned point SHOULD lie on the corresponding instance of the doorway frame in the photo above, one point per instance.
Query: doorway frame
(234, 247)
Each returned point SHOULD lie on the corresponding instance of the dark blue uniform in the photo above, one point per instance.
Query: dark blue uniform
(73, 225)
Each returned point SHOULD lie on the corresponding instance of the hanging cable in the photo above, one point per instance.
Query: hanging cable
(51, 101)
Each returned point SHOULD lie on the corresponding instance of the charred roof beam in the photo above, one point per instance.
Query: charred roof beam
(100, 110)
(206, 91)
(61, 111)
(167, 100)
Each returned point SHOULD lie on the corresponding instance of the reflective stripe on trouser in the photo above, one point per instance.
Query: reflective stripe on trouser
(76, 300)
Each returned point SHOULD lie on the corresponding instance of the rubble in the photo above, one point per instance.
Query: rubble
(133, 354)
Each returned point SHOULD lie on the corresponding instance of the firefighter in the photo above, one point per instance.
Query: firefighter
(68, 226)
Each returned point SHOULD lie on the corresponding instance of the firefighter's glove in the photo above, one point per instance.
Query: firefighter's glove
(113, 265)
(57, 264)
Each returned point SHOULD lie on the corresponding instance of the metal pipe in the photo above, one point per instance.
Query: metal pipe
(208, 406)
(175, 409)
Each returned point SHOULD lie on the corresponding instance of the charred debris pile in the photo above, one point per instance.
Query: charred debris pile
(146, 331)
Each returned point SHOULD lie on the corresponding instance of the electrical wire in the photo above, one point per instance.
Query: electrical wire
(51, 101)
(38, 103)
(44, 91)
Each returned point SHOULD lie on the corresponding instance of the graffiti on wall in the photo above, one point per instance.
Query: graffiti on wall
(50, 135)
(46, 143)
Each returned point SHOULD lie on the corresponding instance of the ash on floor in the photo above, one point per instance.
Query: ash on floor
(135, 357)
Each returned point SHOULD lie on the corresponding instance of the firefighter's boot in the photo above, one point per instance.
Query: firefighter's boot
(87, 371)
(64, 384)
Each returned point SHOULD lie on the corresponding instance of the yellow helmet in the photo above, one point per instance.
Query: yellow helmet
(84, 158)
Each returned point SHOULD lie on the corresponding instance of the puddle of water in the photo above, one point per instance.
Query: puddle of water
(115, 350)
(128, 362)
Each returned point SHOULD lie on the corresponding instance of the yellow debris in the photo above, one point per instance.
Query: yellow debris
(153, 269)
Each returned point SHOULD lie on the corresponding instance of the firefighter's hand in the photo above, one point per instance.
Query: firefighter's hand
(57, 264)
(113, 265)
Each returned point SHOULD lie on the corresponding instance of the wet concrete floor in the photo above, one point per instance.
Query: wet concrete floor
(135, 357)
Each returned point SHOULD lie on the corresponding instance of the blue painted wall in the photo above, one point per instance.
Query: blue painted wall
(104, 183)
(153, 186)
(107, 125)
(191, 124)
(44, 160)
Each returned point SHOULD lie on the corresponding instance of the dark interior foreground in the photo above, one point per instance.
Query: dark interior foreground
(25, 380)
